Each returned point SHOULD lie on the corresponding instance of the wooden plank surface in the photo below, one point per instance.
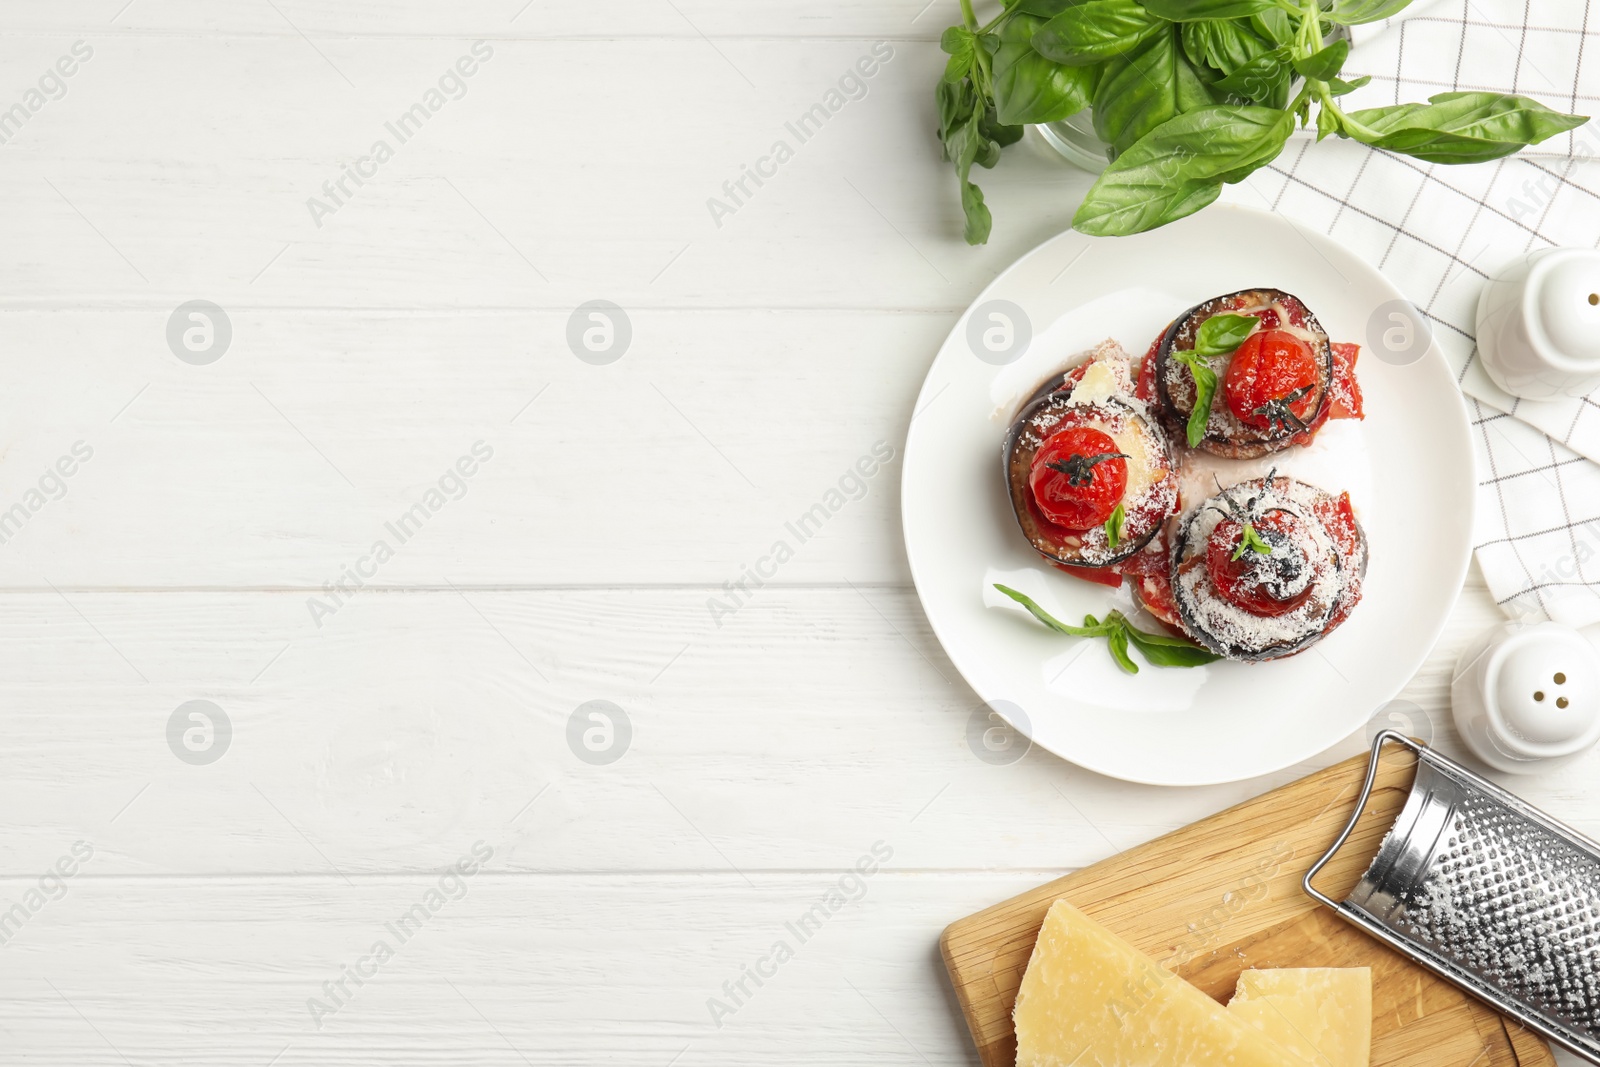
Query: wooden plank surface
(1225, 895)
(409, 717)
(508, 18)
(862, 217)
(423, 316)
(298, 489)
(512, 970)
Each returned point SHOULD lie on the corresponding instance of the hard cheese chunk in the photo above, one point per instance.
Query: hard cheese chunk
(1323, 1015)
(1090, 999)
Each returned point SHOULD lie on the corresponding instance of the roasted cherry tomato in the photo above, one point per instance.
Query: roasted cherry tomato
(1273, 374)
(1265, 584)
(1078, 478)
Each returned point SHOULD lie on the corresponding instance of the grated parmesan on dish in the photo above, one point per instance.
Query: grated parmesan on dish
(1229, 629)
(1105, 394)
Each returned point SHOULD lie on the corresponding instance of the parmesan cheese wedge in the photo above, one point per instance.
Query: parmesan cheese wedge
(1323, 1015)
(1090, 999)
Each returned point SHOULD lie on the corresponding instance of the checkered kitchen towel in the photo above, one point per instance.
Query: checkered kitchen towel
(1439, 231)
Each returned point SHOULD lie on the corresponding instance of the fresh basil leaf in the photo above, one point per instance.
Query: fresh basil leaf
(1140, 92)
(1095, 31)
(1223, 333)
(1459, 127)
(988, 150)
(1045, 8)
(1117, 640)
(1162, 650)
(1134, 202)
(968, 138)
(1189, 40)
(1250, 541)
(1002, 134)
(1028, 88)
(1223, 44)
(960, 44)
(1273, 24)
(974, 147)
(979, 222)
(989, 42)
(1205, 391)
(964, 144)
(956, 40)
(1114, 527)
(1355, 12)
(1326, 64)
(1327, 122)
(956, 101)
(1091, 627)
(1339, 87)
(1264, 80)
(1190, 10)
(1180, 167)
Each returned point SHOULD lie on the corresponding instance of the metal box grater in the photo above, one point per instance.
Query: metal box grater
(1489, 893)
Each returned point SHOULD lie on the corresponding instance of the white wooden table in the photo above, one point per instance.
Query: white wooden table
(379, 738)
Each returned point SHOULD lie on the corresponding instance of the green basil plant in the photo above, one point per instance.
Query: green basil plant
(1190, 95)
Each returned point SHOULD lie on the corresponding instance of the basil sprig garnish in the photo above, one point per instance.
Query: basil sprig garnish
(1160, 650)
(1190, 95)
(1205, 390)
(1114, 527)
(1250, 541)
(1217, 336)
(1221, 334)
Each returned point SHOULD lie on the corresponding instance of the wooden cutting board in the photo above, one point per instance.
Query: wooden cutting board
(1224, 895)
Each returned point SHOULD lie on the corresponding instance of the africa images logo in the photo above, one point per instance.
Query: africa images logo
(852, 85)
(453, 484)
(853, 485)
(849, 888)
(451, 886)
(452, 85)
(52, 86)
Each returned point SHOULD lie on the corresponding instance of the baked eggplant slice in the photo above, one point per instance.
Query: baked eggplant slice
(1273, 390)
(1090, 473)
(1267, 568)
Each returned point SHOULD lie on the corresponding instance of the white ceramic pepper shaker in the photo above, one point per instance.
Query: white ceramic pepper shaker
(1539, 324)
(1526, 696)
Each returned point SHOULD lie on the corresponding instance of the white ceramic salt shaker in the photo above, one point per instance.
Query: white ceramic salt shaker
(1539, 324)
(1526, 696)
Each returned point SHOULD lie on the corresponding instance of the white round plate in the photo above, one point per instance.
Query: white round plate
(1408, 468)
